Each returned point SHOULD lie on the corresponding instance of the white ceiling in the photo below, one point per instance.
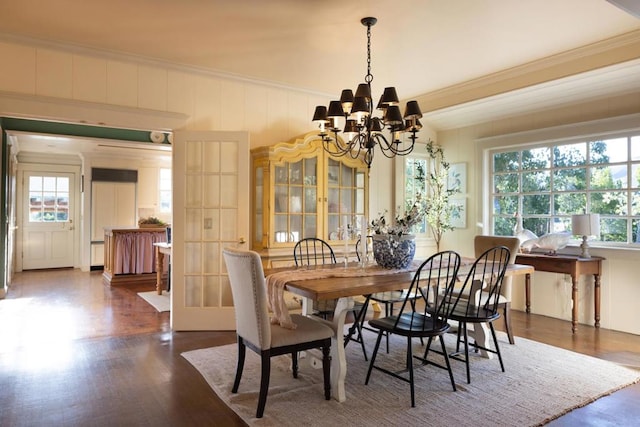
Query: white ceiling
(418, 46)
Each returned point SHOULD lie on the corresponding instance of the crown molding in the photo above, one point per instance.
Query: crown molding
(612, 51)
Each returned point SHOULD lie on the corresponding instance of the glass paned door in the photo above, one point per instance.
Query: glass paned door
(47, 222)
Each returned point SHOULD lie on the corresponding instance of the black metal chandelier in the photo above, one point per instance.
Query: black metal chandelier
(363, 131)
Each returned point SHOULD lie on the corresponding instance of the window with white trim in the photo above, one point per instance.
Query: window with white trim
(164, 186)
(547, 183)
(415, 170)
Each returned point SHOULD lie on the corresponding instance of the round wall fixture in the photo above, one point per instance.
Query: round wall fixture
(156, 137)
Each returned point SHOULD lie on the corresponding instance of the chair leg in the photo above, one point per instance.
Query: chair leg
(466, 351)
(410, 368)
(373, 356)
(495, 342)
(240, 366)
(361, 340)
(446, 359)
(426, 350)
(264, 382)
(294, 364)
(326, 369)
(356, 328)
(507, 322)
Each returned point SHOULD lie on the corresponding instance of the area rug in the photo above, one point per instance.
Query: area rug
(159, 302)
(541, 383)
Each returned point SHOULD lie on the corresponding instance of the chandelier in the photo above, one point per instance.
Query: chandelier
(363, 131)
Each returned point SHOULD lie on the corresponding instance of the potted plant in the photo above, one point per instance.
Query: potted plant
(151, 222)
(393, 244)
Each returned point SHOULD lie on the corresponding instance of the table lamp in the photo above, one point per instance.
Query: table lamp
(585, 225)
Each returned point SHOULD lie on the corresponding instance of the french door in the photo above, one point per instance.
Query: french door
(210, 212)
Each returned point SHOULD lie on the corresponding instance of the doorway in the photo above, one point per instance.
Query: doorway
(47, 212)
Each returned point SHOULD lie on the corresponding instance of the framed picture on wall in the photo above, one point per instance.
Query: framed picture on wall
(459, 214)
(458, 177)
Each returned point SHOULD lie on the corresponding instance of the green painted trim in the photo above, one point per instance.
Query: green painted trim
(39, 126)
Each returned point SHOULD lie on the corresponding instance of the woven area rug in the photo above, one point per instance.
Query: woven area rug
(159, 302)
(541, 383)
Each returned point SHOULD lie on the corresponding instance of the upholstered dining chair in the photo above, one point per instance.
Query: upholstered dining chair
(476, 302)
(483, 243)
(254, 329)
(433, 281)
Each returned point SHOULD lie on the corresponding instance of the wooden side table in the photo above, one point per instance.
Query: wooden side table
(572, 265)
(162, 250)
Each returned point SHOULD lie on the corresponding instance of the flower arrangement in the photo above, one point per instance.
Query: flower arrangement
(402, 224)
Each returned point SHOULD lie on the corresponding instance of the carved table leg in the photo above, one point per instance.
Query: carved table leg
(574, 301)
(159, 268)
(338, 355)
(596, 299)
(527, 291)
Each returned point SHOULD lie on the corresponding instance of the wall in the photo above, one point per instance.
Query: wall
(551, 293)
(210, 102)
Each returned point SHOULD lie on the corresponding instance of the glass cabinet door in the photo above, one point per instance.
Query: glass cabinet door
(345, 200)
(296, 200)
(258, 198)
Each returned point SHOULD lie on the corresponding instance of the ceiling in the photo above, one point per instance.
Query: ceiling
(418, 46)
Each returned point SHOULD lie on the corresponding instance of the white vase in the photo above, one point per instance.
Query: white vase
(392, 251)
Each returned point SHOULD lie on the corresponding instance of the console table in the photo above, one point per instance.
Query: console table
(572, 265)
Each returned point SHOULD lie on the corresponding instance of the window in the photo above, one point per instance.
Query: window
(415, 183)
(48, 199)
(165, 190)
(546, 184)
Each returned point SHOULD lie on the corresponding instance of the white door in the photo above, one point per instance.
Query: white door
(210, 212)
(48, 229)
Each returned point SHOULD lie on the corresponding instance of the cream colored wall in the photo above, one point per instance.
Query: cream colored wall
(551, 293)
(271, 114)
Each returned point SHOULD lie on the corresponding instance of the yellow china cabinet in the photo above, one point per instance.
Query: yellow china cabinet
(299, 191)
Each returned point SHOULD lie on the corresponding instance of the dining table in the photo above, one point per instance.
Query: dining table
(342, 283)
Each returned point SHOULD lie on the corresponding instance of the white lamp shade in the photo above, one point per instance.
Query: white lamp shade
(585, 225)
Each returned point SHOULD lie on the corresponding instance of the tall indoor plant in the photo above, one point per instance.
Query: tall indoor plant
(439, 207)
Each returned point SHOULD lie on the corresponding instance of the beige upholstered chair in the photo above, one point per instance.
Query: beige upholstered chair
(254, 329)
(484, 243)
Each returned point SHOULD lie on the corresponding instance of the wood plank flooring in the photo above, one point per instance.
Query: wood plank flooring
(76, 352)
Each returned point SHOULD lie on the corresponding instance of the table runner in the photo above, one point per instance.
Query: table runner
(276, 283)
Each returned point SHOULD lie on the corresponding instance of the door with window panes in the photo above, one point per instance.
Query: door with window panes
(47, 220)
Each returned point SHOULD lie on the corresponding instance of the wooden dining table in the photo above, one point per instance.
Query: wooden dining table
(357, 281)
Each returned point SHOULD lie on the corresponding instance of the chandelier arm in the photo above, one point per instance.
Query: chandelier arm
(392, 149)
(333, 146)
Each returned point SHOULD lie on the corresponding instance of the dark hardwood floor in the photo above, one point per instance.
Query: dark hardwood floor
(76, 352)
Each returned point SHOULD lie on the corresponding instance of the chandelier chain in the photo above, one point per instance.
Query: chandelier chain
(369, 77)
